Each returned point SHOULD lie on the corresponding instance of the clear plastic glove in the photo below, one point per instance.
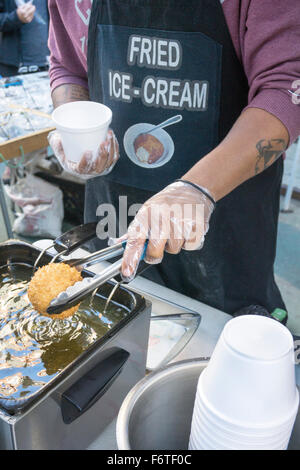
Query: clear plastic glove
(88, 167)
(175, 218)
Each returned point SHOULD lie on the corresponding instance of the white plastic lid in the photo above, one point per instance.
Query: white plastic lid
(258, 337)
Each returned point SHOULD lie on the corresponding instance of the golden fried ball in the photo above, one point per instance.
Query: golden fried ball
(48, 282)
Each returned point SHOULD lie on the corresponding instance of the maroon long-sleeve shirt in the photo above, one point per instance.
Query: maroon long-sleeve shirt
(265, 34)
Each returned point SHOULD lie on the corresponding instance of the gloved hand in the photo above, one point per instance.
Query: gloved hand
(175, 218)
(87, 168)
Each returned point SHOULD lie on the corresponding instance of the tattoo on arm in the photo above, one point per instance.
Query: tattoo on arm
(69, 92)
(268, 152)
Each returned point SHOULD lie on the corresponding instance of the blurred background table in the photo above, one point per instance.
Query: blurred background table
(25, 122)
(25, 114)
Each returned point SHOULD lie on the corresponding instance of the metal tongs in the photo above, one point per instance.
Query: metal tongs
(74, 294)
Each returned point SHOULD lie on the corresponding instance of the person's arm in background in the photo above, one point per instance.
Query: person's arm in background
(10, 21)
(68, 81)
(269, 38)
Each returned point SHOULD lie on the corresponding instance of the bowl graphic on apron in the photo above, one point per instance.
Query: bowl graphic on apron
(160, 134)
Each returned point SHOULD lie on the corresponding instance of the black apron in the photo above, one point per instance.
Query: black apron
(149, 60)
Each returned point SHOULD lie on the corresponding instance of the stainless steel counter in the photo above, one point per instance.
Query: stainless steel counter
(165, 301)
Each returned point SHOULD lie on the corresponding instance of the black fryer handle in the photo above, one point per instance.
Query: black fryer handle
(88, 389)
(74, 238)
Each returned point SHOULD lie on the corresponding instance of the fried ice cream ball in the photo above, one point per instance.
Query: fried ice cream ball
(47, 283)
(148, 148)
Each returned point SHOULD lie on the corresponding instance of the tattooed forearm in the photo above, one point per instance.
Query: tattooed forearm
(268, 152)
(69, 92)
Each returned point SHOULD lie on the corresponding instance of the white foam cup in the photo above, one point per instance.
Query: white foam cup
(216, 436)
(242, 434)
(83, 126)
(204, 434)
(250, 379)
(209, 442)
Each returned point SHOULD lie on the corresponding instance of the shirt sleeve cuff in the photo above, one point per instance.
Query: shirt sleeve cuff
(68, 80)
(280, 104)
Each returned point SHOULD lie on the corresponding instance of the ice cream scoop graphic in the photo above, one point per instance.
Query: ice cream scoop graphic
(148, 148)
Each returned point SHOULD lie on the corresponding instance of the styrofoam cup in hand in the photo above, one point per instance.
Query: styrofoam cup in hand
(83, 126)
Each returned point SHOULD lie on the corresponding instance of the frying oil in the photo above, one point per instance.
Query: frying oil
(35, 348)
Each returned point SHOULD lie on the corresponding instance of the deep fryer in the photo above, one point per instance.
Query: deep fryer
(80, 401)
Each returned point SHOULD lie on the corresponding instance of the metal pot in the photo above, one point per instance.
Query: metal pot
(157, 412)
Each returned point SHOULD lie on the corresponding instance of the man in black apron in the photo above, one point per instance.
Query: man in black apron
(149, 61)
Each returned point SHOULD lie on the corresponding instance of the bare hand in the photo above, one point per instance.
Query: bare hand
(26, 12)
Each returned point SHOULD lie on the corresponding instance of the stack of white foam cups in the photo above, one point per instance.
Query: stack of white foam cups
(247, 396)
